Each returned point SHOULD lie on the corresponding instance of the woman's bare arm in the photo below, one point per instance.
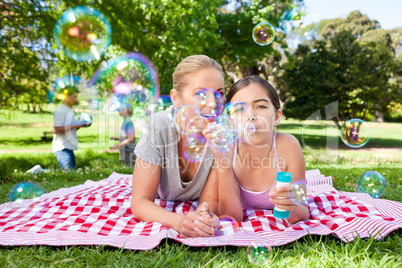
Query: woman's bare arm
(146, 179)
(229, 202)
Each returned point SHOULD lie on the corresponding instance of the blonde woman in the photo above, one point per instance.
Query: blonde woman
(162, 170)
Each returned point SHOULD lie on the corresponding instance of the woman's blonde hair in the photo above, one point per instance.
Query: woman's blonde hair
(192, 64)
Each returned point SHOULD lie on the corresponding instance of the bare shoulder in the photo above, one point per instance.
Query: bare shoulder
(290, 155)
(286, 141)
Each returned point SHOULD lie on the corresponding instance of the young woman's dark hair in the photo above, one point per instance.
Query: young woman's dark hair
(245, 81)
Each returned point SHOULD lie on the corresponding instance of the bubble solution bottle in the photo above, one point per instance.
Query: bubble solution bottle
(282, 179)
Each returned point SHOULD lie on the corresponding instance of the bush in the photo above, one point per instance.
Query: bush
(394, 116)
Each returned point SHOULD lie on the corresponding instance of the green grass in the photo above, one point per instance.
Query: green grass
(307, 252)
(93, 164)
(22, 131)
(315, 133)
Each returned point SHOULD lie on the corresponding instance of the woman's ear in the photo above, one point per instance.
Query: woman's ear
(278, 117)
(175, 98)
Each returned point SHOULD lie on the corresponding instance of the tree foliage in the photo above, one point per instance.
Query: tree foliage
(352, 65)
(165, 31)
(22, 51)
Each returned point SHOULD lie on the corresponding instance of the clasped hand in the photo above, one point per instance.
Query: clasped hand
(199, 222)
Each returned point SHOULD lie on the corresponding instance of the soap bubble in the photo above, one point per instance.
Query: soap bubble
(308, 34)
(258, 253)
(239, 114)
(372, 183)
(140, 125)
(131, 78)
(355, 133)
(224, 134)
(25, 190)
(298, 195)
(225, 228)
(293, 14)
(187, 119)
(83, 33)
(194, 147)
(291, 23)
(211, 98)
(85, 118)
(263, 33)
(57, 93)
(164, 102)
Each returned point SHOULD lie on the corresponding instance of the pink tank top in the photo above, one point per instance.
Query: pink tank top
(250, 199)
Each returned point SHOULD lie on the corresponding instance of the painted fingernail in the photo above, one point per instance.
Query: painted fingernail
(201, 218)
(197, 222)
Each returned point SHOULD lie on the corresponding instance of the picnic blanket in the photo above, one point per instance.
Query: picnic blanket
(98, 213)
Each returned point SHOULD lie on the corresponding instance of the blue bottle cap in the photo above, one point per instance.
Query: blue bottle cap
(281, 214)
(284, 177)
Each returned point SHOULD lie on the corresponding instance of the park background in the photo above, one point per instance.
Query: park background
(351, 60)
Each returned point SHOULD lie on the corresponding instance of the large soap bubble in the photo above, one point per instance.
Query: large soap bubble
(60, 88)
(258, 254)
(83, 33)
(131, 78)
(263, 33)
(25, 190)
(372, 183)
(164, 102)
(225, 228)
(355, 133)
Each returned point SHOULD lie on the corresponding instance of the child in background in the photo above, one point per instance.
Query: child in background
(127, 136)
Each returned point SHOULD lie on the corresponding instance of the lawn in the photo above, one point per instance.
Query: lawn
(20, 145)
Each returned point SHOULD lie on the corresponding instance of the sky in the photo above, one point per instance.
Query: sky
(387, 12)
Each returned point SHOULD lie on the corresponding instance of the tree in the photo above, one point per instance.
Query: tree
(240, 54)
(164, 31)
(167, 31)
(22, 50)
(352, 67)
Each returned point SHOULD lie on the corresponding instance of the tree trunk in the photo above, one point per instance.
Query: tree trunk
(249, 70)
(378, 117)
(233, 76)
(336, 120)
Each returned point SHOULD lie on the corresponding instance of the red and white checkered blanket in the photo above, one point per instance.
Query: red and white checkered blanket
(98, 213)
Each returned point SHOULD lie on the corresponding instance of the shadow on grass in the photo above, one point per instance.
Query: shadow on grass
(48, 125)
(38, 141)
(290, 126)
(27, 142)
(313, 141)
(48, 160)
(320, 142)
